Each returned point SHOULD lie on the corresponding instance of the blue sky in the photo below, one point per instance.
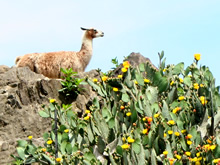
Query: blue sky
(180, 28)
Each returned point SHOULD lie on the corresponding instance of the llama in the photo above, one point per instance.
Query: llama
(49, 64)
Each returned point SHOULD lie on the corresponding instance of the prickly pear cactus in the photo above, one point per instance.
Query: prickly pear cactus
(143, 116)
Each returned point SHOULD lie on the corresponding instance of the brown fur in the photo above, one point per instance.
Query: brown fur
(49, 64)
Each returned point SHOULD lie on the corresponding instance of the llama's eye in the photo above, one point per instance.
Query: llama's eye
(95, 31)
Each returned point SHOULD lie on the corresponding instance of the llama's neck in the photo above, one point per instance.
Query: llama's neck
(86, 50)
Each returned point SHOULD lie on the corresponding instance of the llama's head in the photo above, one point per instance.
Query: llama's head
(92, 33)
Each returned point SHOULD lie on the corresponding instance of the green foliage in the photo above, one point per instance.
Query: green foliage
(71, 82)
(143, 117)
(115, 62)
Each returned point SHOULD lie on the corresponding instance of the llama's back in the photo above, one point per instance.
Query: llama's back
(49, 64)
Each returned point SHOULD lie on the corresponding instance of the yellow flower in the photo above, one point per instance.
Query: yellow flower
(144, 131)
(115, 89)
(165, 69)
(146, 80)
(128, 114)
(144, 119)
(171, 122)
(189, 136)
(216, 160)
(164, 135)
(177, 133)
(171, 161)
(198, 154)
(203, 100)
(149, 119)
(201, 85)
(156, 115)
(183, 131)
(170, 132)
(172, 82)
(52, 100)
(197, 57)
(207, 147)
(209, 141)
(58, 159)
(126, 64)
(194, 159)
(196, 86)
(125, 146)
(165, 152)
(44, 149)
(197, 163)
(135, 81)
(104, 78)
(123, 139)
(87, 111)
(120, 76)
(189, 142)
(66, 130)
(181, 80)
(124, 70)
(130, 140)
(86, 118)
(49, 142)
(95, 80)
(30, 137)
(212, 147)
(188, 153)
(175, 110)
(181, 98)
(178, 157)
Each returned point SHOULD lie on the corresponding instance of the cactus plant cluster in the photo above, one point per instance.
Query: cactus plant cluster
(143, 116)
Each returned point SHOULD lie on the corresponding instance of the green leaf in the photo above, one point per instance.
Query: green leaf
(63, 147)
(160, 82)
(42, 113)
(69, 148)
(106, 114)
(139, 79)
(119, 150)
(111, 123)
(21, 153)
(101, 145)
(136, 147)
(187, 81)
(89, 156)
(165, 111)
(125, 97)
(153, 157)
(142, 67)
(179, 68)
(22, 143)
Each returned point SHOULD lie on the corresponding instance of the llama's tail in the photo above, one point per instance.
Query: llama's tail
(17, 59)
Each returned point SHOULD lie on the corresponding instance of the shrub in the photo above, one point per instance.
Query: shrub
(143, 116)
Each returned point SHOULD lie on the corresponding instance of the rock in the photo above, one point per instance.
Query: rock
(3, 68)
(134, 59)
(4, 147)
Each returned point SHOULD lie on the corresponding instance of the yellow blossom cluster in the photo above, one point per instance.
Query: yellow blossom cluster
(196, 86)
(126, 65)
(115, 89)
(125, 146)
(181, 98)
(197, 57)
(130, 140)
(104, 78)
(171, 122)
(175, 110)
(203, 100)
(87, 117)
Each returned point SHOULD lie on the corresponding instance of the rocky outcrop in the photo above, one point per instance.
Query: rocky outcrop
(22, 94)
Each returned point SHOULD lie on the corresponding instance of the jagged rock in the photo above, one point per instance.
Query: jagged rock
(22, 94)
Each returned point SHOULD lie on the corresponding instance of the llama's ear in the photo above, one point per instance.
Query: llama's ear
(83, 28)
